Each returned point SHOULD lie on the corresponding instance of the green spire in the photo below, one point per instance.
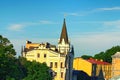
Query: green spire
(64, 33)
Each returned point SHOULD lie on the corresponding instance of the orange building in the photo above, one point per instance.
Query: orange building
(92, 67)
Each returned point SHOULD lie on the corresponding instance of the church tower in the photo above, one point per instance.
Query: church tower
(63, 43)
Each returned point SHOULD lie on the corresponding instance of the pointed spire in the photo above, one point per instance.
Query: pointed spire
(101, 75)
(64, 33)
(72, 50)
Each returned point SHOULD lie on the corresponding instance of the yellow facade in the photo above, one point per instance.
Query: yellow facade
(116, 65)
(88, 65)
(51, 58)
(83, 65)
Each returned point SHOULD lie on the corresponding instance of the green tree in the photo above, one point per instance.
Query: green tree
(86, 56)
(9, 70)
(107, 55)
(6, 48)
(99, 56)
(37, 71)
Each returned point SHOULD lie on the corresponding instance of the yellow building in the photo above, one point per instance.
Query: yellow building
(58, 58)
(116, 65)
(92, 67)
(83, 65)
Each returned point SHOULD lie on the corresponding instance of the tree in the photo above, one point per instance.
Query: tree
(6, 48)
(9, 70)
(99, 56)
(37, 71)
(86, 56)
(107, 55)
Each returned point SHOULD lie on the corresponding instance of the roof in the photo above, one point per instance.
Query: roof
(94, 61)
(116, 55)
(64, 34)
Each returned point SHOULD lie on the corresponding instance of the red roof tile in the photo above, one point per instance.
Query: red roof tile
(94, 61)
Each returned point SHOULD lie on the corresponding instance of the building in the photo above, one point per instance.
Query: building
(93, 67)
(116, 65)
(58, 58)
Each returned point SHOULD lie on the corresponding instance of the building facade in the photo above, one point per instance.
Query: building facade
(58, 58)
(92, 67)
(116, 65)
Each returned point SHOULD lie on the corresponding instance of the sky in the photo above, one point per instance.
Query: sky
(93, 25)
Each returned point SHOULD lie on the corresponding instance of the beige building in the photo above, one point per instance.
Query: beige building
(58, 58)
(116, 65)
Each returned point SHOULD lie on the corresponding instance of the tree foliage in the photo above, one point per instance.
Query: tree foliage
(107, 55)
(35, 70)
(9, 69)
(86, 56)
(6, 48)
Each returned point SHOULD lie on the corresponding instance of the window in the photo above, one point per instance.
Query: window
(61, 65)
(51, 64)
(38, 55)
(45, 55)
(61, 74)
(55, 64)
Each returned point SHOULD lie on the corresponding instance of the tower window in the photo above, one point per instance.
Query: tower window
(61, 74)
(45, 55)
(38, 55)
(55, 64)
(51, 64)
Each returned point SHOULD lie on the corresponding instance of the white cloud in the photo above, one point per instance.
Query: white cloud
(84, 13)
(71, 14)
(16, 27)
(101, 9)
(108, 9)
(115, 24)
(46, 22)
(21, 26)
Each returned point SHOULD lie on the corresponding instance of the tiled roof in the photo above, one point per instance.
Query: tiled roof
(94, 61)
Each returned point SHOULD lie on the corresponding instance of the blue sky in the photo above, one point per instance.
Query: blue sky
(93, 25)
